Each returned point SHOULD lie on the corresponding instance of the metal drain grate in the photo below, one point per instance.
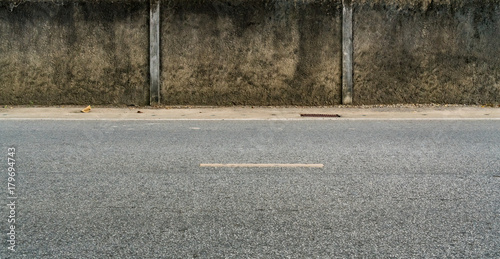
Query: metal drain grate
(319, 115)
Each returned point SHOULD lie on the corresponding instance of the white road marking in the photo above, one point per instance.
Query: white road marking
(263, 165)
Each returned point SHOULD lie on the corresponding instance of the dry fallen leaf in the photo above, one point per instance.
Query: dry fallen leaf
(86, 110)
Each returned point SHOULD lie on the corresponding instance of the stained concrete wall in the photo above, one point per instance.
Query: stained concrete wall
(74, 52)
(255, 52)
(261, 52)
(427, 52)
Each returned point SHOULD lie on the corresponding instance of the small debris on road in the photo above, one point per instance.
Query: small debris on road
(139, 112)
(86, 110)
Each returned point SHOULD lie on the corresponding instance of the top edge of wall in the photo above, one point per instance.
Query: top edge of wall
(424, 5)
(412, 3)
(183, 1)
(417, 3)
(70, 1)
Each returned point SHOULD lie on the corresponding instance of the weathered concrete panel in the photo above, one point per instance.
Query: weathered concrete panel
(258, 52)
(427, 52)
(251, 52)
(74, 52)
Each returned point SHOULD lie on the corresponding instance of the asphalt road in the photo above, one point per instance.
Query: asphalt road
(135, 189)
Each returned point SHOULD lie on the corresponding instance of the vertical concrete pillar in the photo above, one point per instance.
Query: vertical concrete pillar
(154, 52)
(347, 50)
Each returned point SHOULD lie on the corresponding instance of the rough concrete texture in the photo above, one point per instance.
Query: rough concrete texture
(74, 52)
(251, 52)
(427, 52)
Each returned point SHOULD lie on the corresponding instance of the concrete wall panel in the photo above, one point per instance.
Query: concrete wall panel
(251, 52)
(74, 52)
(437, 53)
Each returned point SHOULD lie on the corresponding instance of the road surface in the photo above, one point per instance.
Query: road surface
(135, 189)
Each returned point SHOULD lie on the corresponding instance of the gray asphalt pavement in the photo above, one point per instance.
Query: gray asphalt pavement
(135, 189)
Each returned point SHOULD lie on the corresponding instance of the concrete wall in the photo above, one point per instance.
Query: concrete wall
(254, 52)
(251, 52)
(425, 51)
(74, 52)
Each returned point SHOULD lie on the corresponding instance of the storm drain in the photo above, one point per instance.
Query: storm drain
(318, 115)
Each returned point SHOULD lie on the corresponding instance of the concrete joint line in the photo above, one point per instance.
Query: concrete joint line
(347, 52)
(154, 52)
